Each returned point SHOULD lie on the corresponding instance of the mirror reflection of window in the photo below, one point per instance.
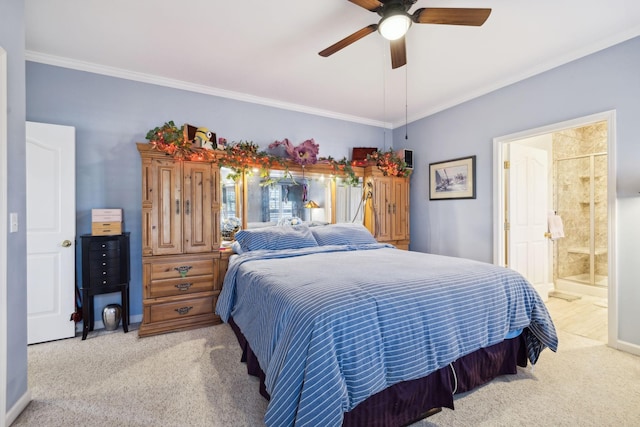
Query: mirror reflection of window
(349, 202)
(231, 200)
(281, 200)
(228, 201)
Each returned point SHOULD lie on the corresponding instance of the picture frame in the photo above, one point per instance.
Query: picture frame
(453, 179)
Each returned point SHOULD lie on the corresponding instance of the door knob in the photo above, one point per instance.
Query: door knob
(66, 243)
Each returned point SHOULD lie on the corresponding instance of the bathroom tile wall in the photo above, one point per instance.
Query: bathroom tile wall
(573, 164)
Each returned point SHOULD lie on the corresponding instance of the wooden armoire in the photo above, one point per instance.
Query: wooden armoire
(387, 207)
(182, 265)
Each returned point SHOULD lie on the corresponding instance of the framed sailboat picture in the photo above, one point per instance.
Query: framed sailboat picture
(453, 179)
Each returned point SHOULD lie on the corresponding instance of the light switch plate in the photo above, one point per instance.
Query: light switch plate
(13, 219)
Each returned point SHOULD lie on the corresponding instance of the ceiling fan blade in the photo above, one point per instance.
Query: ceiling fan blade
(451, 16)
(371, 5)
(348, 40)
(398, 53)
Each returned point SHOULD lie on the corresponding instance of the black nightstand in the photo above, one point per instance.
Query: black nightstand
(105, 269)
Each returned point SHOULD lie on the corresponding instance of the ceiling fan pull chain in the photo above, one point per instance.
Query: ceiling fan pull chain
(406, 102)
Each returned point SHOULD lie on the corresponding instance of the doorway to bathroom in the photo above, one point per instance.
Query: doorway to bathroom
(563, 171)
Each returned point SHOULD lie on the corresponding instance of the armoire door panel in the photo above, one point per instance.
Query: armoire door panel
(167, 208)
(400, 211)
(197, 207)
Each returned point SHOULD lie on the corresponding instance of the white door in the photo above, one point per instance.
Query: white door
(51, 228)
(528, 249)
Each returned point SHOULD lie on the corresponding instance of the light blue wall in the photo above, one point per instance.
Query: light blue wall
(606, 80)
(110, 115)
(12, 41)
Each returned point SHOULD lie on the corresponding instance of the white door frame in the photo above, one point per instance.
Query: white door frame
(3, 236)
(499, 146)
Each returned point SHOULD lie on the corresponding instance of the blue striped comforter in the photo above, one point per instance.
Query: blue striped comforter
(332, 325)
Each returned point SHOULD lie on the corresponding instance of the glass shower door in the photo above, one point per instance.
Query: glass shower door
(581, 256)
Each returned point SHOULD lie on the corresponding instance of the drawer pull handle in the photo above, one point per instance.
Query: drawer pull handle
(183, 270)
(183, 286)
(183, 310)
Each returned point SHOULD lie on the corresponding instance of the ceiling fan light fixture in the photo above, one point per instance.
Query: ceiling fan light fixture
(394, 26)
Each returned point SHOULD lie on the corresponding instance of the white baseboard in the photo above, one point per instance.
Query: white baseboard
(628, 347)
(16, 410)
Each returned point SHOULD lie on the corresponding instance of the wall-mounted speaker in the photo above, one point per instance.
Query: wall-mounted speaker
(408, 157)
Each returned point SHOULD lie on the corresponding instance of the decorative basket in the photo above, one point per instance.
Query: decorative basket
(229, 235)
(229, 227)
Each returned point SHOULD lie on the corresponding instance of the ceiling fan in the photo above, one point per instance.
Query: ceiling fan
(396, 20)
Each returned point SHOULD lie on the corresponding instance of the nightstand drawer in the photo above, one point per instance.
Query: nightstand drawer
(105, 269)
(180, 309)
(181, 286)
(181, 269)
(104, 245)
(99, 256)
(107, 281)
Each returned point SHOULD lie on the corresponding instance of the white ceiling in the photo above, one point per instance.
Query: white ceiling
(267, 52)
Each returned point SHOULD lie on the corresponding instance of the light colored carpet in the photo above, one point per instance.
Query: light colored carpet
(191, 378)
(195, 378)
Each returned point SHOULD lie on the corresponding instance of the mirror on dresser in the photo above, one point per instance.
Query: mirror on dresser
(315, 196)
(230, 194)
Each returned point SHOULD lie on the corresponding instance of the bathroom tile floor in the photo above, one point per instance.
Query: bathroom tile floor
(586, 316)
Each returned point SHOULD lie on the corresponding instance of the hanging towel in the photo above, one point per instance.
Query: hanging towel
(556, 228)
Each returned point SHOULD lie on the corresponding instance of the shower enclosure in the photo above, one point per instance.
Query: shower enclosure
(581, 201)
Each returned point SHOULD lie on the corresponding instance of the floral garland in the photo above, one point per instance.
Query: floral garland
(389, 163)
(238, 156)
(172, 140)
(341, 167)
(244, 155)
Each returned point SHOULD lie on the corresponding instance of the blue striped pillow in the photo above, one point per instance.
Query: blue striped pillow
(274, 238)
(342, 234)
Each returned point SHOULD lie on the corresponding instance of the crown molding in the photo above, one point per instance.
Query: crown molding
(120, 73)
(525, 74)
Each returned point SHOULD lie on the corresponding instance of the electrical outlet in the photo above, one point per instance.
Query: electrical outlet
(13, 219)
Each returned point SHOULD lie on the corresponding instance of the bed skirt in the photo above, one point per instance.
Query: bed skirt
(409, 401)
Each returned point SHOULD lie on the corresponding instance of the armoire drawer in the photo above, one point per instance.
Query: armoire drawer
(180, 286)
(159, 312)
(181, 269)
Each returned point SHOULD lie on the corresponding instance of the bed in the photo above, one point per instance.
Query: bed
(339, 326)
